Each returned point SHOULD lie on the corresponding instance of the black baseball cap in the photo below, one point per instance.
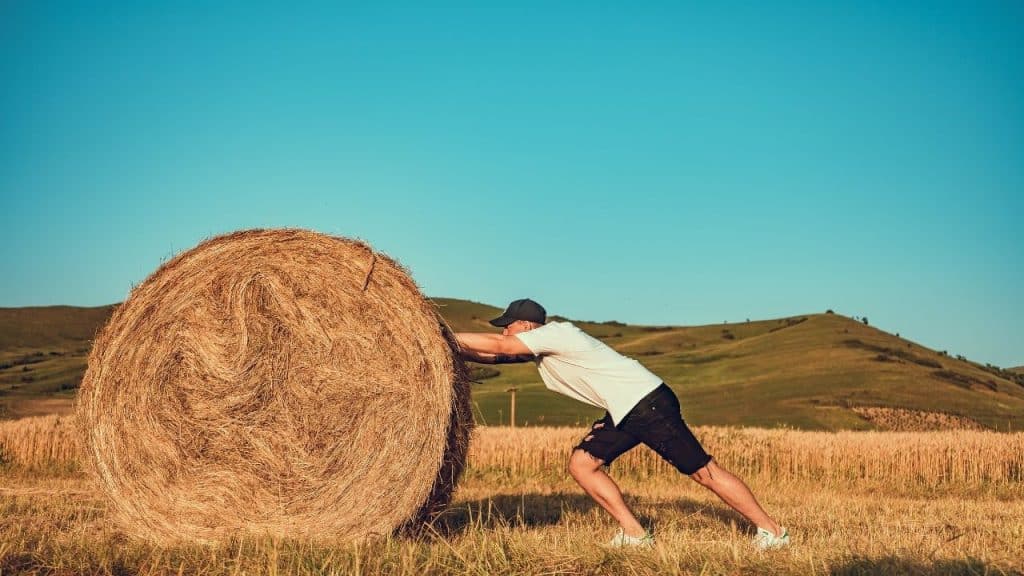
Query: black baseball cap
(524, 309)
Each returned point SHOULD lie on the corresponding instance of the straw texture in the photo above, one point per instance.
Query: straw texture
(281, 382)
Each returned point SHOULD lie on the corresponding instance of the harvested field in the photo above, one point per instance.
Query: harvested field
(518, 512)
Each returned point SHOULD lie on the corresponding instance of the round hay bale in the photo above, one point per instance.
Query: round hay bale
(278, 382)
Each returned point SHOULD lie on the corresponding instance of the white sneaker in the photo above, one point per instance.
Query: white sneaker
(765, 540)
(621, 540)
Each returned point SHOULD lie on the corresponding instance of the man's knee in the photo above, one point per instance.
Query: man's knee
(582, 463)
(705, 476)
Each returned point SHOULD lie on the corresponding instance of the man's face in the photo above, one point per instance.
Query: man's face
(516, 327)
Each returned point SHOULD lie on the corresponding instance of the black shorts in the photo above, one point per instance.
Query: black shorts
(657, 422)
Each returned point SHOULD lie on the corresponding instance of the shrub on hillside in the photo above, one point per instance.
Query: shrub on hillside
(483, 373)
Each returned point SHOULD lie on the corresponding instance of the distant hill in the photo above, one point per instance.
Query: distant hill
(43, 352)
(818, 371)
(36, 327)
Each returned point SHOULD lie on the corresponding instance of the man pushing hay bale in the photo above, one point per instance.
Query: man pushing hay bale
(279, 382)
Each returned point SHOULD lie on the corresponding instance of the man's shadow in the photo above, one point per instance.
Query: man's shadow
(534, 509)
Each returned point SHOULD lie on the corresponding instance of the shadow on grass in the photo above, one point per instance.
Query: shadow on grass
(24, 563)
(511, 510)
(533, 509)
(859, 566)
(720, 513)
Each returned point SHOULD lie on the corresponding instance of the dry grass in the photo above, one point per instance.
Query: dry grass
(283, 382)
(518, 512)
(903, 420)
(925, 460)
(39, 443)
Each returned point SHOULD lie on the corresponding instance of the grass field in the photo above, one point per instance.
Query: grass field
(856, 503)
(814, 372)
(820, 390)
(811, 372)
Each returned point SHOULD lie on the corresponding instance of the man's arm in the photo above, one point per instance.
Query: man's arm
(484, 358)
(487, 343)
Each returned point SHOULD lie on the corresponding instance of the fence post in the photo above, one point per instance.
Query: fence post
(513, 407)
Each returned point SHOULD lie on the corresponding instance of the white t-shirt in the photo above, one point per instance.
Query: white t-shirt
(573, 363)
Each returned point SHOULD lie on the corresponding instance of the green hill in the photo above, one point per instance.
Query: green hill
(38, 327)
(817, 371)
(42, 356)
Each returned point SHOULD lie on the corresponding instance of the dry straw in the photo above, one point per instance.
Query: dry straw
(279, 382)
(889, 461)
(927, 459)
(39, 443)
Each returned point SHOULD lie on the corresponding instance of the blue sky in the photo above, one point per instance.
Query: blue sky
(649, 163)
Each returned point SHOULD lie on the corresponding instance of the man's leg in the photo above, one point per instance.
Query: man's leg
(736, 494)
(656, 421)
(586, 469)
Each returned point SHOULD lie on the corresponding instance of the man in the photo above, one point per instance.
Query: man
(639, 408)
